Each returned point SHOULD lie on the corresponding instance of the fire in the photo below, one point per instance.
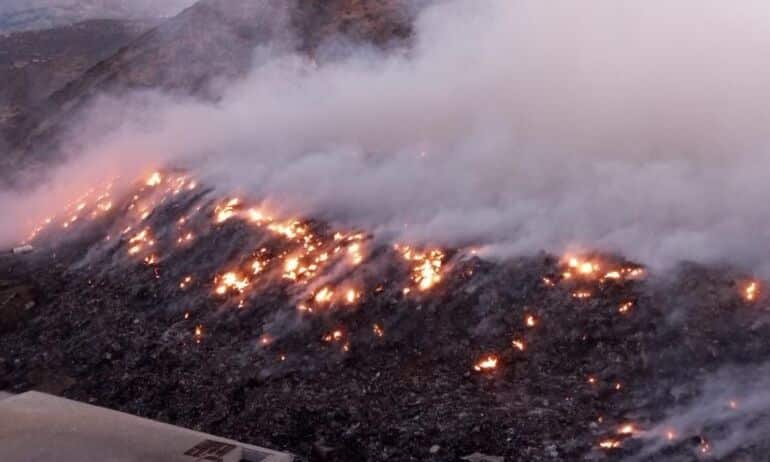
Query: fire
(355, 253)
(704, 446)
(612, 275)
(351, 296)
(198, 334)
(258, 266)
(487, 364)
(154, 180)
(627, 429)
(185, 282)
(530, 321)
(378, 330)
(625, 307)
(231, 282)
(334, 336)
(581, 294)
(427, 270)
(609, 444)
(324, 295)
(751, 291)
(225, 212)
(583, 267)
(290, 230)
(518, 344)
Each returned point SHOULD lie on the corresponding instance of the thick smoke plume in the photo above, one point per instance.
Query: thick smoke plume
(638, 127)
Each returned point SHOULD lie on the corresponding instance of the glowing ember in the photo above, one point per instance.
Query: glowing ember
(612, 275)
(751, 291)
(198, 333)
(186, 238)
(609, 444)
(155, 179)
(225, 212)
(231, 282)
(530, 321)
(624, 308)
(324, 295)
(518, 344)
(351, 296)
(355, 253)
(334, 336)
(487, 364)
(257, 266)
(378, 330)
(581, 294)
(185, 282)
(627, 429)
(256, 216)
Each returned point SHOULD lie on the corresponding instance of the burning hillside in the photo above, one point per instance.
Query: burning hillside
(166, 300)
(355, 251)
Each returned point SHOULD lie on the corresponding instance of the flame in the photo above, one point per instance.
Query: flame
(625, 307)
(226, 211)
(627, 429)
(324, 295)
(154, 180)
(351, 296)
(231, 282)
(334, 336)
(530, 321)
(518, 344)
(487, 364)
(751, 291)
(426, 272)
(185, 282)
(609, 444)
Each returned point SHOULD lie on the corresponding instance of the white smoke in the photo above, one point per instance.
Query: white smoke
(638, 127)
(731, 412)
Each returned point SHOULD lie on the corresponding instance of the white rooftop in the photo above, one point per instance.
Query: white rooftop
(36, 427)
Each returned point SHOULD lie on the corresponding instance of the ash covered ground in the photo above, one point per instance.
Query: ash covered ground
(171, 302)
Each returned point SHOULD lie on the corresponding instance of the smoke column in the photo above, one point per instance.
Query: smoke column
(521, 125)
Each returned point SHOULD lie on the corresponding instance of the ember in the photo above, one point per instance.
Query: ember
(487, 364)
(751, 291)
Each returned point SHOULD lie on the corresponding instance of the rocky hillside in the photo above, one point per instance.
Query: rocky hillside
(35, 64)
(23, 15)
(214, 39)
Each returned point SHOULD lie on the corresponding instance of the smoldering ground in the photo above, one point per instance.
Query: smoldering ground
(520, 126)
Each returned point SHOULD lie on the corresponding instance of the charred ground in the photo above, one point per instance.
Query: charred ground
(84, 319)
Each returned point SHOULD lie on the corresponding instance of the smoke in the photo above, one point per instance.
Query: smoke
(730, 412)
(638, 128)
